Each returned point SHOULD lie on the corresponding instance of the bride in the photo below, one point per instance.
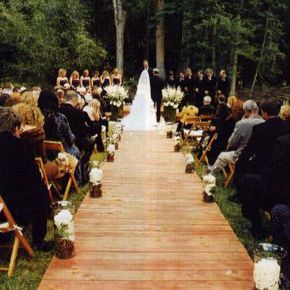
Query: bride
(143, 115)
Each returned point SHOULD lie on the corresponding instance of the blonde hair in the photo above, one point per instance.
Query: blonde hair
(75, 74)
(95, 104)
(115, 71)
(61, 73)
(30, 115)
(86, 73)
(285, 113)
(232, 100)
(30, 98)
(105, 73)
(209, 70)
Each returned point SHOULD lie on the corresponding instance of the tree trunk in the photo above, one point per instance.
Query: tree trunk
(233, 91)
(260, 58)
(120, 22)
(213, 50)
(160, 39)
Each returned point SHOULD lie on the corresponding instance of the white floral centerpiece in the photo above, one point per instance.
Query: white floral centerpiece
(95, 184)
(116, 96)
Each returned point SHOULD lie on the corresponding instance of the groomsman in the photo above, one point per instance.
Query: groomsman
(157, 85)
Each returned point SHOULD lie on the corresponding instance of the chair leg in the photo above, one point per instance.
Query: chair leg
(72, 176)
(13, 257)
(68, 186)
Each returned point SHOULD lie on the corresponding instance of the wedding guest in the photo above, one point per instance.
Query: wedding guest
(181, 81)
(189, 87)
(74, 80)
(285, 113)
(240, 137)
(223, 84)
(199, 88)
(157, 85)
(95, 80)
(85, 79)
(6, 100)
(116, 77)
(105, 79)
(21, 184)
(16, 95)
(62, 79)
(171, 82)
(210, 84)
(29, 98)
(77, 124)
(222, 112)
(60, 95)
(207, 109)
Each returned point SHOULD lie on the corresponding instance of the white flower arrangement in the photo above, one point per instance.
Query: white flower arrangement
(189, 159)
(177, 140)
(171, 97)
(267, 274)
(65, 224)
(111, 149)
(209, 183)
(116, 95)
(96, 176)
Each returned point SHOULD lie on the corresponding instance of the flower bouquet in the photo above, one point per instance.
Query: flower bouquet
(171, 98)
(66, 162)
(111, 153)
(209, 184)
(116, 96)
(64, 229)
(95, 183)
(189, 163)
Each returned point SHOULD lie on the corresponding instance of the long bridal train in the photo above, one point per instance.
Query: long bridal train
(143, 115)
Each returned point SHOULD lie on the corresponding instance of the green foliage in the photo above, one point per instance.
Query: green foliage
(38, 37)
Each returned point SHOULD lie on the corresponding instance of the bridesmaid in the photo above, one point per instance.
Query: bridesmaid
(116, 77)
(210, 84)
(74, 80)
(85, 79)
(96, 81)
(62, 80)
(106, 79)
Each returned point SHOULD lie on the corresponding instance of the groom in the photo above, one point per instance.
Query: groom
(157, 85)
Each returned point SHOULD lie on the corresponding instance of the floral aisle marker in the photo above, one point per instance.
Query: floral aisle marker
(171, 98)
(189, 163)
(96, 176)
(111, 153)
(64, 229)
(116, 96)
(177, 143)
(209, 184)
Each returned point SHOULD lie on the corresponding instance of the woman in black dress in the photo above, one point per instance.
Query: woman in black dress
(96, 81)
(116, 77)
(223, 84)
(62, 80)
(189, 86)
(199, 88)
(105, 79)
(171, 82)
(85, 79)
(210, 84)
(74, 80)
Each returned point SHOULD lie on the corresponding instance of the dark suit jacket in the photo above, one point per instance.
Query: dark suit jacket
(21, 185)
(76, 119)
(157, 85)
(256, 156)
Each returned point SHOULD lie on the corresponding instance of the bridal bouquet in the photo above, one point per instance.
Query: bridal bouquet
(116, 95)
(171, 97)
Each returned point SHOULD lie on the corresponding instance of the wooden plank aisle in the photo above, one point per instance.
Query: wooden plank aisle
(151, 230)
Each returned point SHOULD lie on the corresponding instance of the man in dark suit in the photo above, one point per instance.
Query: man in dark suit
(21, 185)
(157, 85)
(255, 161)
(76, 119)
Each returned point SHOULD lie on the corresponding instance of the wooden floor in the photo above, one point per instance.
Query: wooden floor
(151, 229)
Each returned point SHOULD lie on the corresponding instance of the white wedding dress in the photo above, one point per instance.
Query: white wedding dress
(142, 115)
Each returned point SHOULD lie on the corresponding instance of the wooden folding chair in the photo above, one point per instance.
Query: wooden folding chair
(206, 150)
(11, 226)
(40, 165)
(58, 147)
(229, 176)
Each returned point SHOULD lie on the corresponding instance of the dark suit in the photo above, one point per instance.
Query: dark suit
(157, 85)
(21, 185)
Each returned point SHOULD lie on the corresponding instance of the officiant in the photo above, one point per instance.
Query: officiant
(157, 85)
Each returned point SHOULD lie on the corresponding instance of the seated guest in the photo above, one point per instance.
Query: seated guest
(94, 123)
(76, 119)
(207, 109)
(240, 137)
(222, 112)
(56, 125)
(285, 113)
(30, 98)
(6, 101)
(269, 190)
(16, 95)
(21, 184)
(60, 95)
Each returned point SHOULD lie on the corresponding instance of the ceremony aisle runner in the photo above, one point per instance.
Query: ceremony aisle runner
(151, 229)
